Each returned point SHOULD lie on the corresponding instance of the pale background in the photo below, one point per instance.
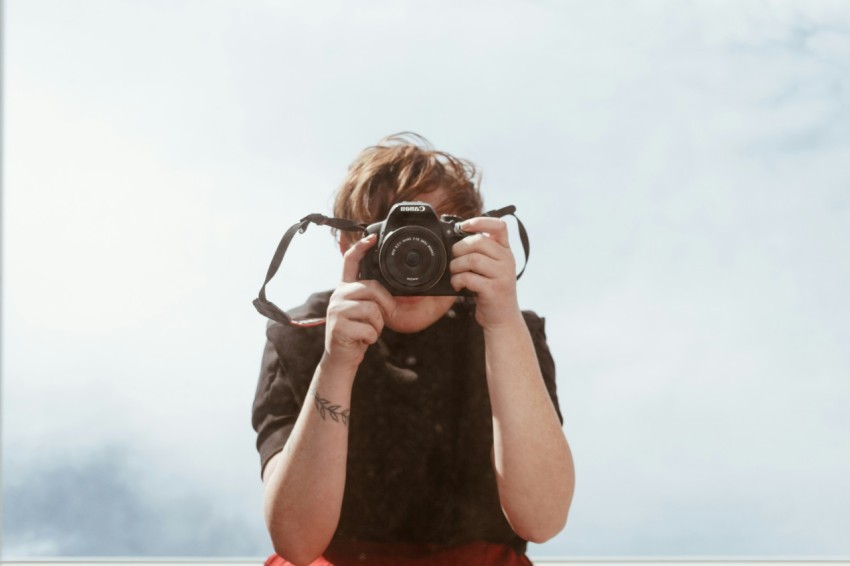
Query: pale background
(682, 168)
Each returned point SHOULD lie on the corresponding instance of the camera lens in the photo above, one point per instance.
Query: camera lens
(412, 259)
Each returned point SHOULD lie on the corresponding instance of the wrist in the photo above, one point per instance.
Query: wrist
(336, 369)
(509, 323)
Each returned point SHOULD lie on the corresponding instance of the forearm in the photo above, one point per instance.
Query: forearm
(534, 467)
(303, 493)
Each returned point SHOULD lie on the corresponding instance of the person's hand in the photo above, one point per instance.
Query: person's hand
(484, 264)
(356, 313)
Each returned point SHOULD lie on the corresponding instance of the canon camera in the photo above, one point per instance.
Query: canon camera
(413, 251)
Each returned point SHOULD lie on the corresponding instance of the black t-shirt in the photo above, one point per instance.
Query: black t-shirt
(420, 430)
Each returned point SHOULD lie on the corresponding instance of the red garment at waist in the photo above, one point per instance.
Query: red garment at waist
(351, 553)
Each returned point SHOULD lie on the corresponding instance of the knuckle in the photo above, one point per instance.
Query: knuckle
(342, 290)
(333, 308)
(373, 312)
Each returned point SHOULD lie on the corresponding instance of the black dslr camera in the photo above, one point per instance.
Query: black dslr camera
(413, 251)
(411, 256)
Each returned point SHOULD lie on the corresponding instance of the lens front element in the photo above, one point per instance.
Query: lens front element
(412, 259)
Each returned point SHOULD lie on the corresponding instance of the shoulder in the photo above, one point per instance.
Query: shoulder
(287, 337)
(537, 329)
(315, 307)
(536, 323)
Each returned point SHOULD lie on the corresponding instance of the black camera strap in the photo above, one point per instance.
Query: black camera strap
(523, 235)
(268, 308)
(272, 311)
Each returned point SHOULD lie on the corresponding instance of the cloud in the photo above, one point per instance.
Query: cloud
(680, 168)
(101, 505)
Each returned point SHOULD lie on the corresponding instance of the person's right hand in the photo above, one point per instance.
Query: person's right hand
(356, 312)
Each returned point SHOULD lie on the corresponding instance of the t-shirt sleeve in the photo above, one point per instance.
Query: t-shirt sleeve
(537, 328)
(276, 406)
(289, 360)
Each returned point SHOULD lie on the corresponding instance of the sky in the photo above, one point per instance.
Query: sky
(681, 168)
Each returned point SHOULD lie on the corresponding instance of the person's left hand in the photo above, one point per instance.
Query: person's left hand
(484, 264)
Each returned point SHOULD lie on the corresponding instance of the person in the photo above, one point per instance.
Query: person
(406, 429)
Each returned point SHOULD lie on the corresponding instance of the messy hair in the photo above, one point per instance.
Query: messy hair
(399, 168)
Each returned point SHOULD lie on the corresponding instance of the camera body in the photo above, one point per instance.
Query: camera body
(413, 251)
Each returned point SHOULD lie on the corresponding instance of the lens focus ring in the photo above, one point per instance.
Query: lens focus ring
(412, 259)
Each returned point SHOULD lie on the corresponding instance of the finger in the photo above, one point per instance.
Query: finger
(495, 227)
(363, 311)
(481, 244)
(476, 263)
(383, 298)
(472, 281)
(352, 257)
(356, 331)
(370, 290)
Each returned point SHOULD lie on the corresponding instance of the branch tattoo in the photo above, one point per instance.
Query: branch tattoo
(326, 409)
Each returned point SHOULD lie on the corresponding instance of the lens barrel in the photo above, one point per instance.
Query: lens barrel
(412, 259)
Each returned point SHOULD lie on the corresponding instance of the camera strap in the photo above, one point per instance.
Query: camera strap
(272, 311)
(523, 235)
(268, 308)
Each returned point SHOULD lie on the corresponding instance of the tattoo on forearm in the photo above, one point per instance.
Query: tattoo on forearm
(326, 409)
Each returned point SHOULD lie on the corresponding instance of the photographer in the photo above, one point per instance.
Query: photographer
(412, 429)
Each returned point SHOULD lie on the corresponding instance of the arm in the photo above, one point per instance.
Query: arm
(534, 467)
(303, 484)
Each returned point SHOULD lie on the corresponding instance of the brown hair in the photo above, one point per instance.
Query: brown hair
(399, 168)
